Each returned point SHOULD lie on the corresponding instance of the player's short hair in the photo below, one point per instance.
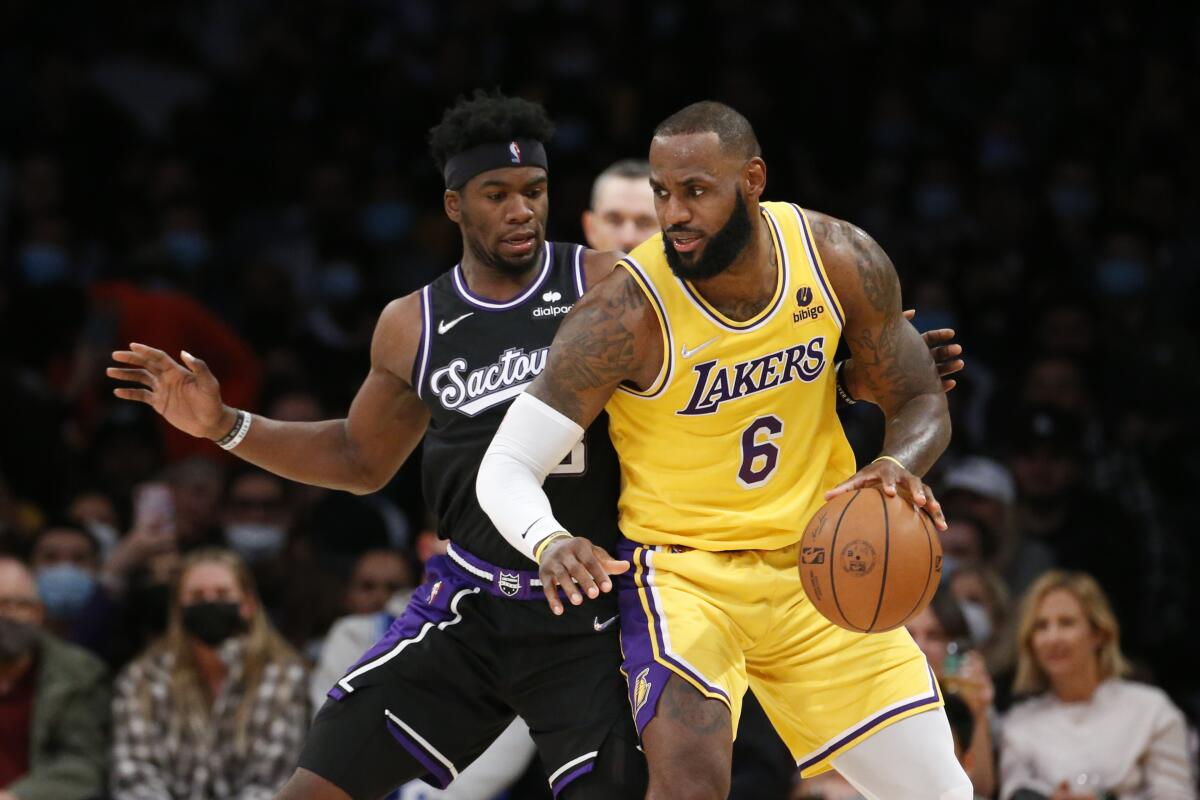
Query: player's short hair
(708, 116)
(486, 117)
(628, 168)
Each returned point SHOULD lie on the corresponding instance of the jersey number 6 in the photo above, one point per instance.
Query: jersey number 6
(760, 454)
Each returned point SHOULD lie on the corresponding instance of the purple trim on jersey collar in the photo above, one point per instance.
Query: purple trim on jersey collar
(783, 276)
(580, 273)
(810, 246)
(460, 285)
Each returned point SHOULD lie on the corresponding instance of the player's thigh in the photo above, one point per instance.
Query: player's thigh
(570, 692)
(688, 744)
(910, 760)
(421, 703)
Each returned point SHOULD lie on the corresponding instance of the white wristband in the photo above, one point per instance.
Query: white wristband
(532, 439)
(240, 429)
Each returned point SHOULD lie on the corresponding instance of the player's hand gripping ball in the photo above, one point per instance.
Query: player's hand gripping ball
(870, 562)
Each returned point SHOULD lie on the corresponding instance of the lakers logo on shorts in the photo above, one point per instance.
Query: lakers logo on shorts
(858, 558)
(641, 690)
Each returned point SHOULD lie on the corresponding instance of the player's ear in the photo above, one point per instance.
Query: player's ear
(587, 221)
(451, 202)
(754, 177)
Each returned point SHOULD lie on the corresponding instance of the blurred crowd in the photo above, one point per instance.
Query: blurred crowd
(248, 179)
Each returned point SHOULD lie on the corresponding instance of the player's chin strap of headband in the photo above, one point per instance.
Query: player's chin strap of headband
(493, 155)
(532, 439)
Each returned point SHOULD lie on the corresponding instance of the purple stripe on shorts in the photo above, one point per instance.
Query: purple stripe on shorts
(873, 723)
(644, 558)
(430, 605)
(561, 783)
(441, 776)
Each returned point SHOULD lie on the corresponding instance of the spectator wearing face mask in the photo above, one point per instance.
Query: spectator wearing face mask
(1085, 733)
(66, 561)
(217, 709)
(54, 702)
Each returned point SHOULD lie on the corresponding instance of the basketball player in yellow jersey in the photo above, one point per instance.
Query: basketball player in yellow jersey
(711, 351)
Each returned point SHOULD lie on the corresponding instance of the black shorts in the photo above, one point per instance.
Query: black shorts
(453, 671)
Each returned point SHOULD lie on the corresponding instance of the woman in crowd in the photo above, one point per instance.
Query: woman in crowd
(1084, 733)
(217, 709)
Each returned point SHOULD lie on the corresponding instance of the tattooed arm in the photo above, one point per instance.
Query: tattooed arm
(893, 362)
(610, 337)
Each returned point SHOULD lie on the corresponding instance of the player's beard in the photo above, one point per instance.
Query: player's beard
(721, 249)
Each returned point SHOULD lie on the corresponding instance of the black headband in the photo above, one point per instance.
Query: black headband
(493, 155)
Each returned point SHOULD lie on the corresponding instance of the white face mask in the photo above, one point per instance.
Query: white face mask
(979, 622)
(255, 541)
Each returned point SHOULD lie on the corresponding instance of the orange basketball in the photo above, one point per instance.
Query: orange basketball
(870, 562)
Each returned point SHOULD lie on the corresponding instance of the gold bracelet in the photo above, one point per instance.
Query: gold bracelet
(894, 461)
(544, 543)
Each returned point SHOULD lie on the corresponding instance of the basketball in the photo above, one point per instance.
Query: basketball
(870, 562)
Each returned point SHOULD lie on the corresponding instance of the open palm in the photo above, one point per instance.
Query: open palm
(187, 395)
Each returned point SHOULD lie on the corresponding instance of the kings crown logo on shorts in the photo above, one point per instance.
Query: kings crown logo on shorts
(510, 583)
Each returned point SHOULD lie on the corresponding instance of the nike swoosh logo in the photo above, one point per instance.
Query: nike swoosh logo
(444, 326)
(600, 626)
(689, 353)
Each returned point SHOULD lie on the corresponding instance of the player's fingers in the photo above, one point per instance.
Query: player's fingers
(550, 589)
(934, 507)
(945, 352)
(613, 566)
(141, 395)
(585, 570)
(155, 359)
(598, 568)
(198, 366)
(856, 481)
(132, 375)
(563, 574)
(129, 357)
(911, 487)
(948, 384)
(935, 337)
(909, 313)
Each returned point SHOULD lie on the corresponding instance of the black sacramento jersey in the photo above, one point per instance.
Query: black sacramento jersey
(475, 357)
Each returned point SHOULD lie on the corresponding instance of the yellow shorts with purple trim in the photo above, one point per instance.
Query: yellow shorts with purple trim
(730, 620)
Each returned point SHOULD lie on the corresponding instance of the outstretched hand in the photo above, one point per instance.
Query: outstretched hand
(576, 565)
(893, 479)
(186, 394)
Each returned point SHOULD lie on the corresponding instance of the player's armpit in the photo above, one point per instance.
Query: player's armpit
(611, 336)
(893, 361)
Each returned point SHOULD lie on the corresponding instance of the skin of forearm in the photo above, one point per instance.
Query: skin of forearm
(316, 453)
(918, 432)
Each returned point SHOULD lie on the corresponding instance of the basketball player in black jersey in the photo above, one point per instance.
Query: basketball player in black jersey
(477, 644)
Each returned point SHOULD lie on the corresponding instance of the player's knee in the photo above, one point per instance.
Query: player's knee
(681, 785)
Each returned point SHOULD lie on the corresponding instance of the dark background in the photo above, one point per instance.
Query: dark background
(1030, 167)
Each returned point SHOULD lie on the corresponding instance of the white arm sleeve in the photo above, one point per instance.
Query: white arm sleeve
(532, 439)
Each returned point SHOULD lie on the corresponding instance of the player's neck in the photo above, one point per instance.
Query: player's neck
(751, 278)
(491, 283)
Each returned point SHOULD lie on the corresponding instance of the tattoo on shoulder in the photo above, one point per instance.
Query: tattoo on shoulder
(595, 347)
(875, 270)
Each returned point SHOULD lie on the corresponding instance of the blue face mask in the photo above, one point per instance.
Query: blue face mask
(43, 264)
(1122, 277)
(65, 589)
(187, 249)
(384, 223)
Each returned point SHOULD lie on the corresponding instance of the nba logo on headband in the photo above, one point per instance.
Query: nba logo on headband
(516, 152)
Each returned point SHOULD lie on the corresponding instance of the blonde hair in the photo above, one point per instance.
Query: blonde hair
(261, 646)
(1031, 678)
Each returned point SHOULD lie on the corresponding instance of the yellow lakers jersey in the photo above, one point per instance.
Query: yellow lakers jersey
(737, 440)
